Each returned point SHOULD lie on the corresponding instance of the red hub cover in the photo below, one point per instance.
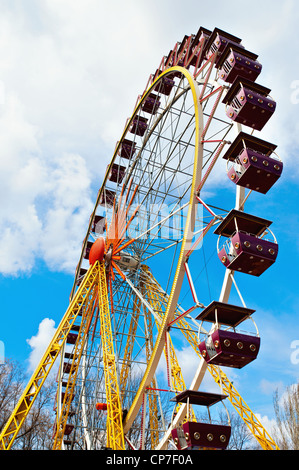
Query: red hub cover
(97, 251)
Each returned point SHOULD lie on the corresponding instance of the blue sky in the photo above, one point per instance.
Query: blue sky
(70, 74)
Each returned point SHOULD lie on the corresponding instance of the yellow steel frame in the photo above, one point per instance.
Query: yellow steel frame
(114, 428)
(185, 245)
(254, 425)
(156, 299)
(82, 303)
(153, 413)
(151, 392)
(87, 315)
(14, 423)
(129, 346)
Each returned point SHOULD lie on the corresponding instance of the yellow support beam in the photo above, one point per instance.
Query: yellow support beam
(156, 299)
(126, 366)
(18, 416)
(114, 427)
(87, 315)
(253, 424)
(152, 392)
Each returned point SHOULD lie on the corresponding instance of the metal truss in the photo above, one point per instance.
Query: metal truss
(252, 422)
(13, 425)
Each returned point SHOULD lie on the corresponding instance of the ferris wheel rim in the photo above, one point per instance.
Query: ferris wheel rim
(166, 72)
(154, 84)
(93, 294)
(198, 143)
(159, 344)
(194, 87)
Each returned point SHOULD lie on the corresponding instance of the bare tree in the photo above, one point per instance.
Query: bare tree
(241, 437)
(36, 432)
(286, 409)
(11, 385)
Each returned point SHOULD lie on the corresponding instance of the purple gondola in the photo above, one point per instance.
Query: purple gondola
(200, 435)
(236, 61)
(246, 250)
(151, 104)
(127, 149)
(139, 125)
(107, 198)
(253, 165)
(217, 43)
(202, 36)
(116, 173)
(249, 103)
(224, 345)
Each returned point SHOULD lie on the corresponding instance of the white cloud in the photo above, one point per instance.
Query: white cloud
(70, 75)
(66, 221)
(40, 342)
(268, 423)
(45, 212)
(19, 243)
(60, 113)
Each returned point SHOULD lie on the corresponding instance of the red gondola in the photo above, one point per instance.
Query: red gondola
(246, 249)
(200, 435)
(224, 345)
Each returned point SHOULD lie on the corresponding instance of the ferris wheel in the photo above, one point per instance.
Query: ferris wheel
(165, 243)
